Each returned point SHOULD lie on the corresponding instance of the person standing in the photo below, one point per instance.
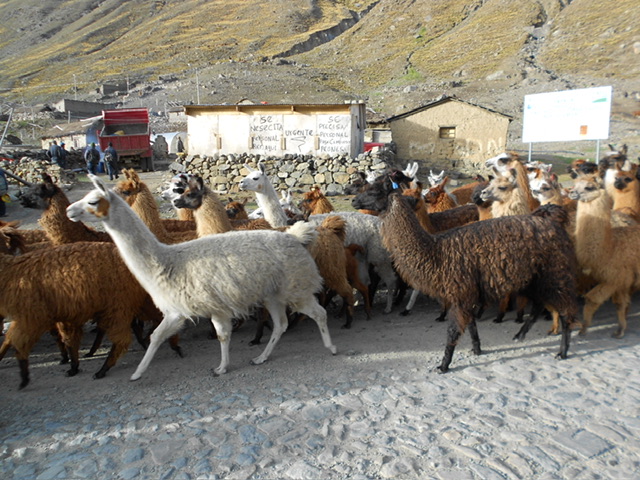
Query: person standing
(63, 155)
(4, 190)
(92, 157)
(55, 153)
(111, 161)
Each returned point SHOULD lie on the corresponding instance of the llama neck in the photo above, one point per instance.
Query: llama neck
(523, 184)
(555, 198)
(423, 216)
(593, 229)
(627, 200)
(143, 254)
(57, 225)
(145, 206)
(211, 217)
(515, 204)
(270, 204)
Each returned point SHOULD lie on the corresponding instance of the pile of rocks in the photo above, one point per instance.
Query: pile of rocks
(30, 165)
(291, 172)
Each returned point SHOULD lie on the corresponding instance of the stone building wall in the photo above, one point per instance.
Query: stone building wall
(295, 172)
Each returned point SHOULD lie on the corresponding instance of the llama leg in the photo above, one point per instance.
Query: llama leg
(443, 315)
(503, 308)
(22, 343)
(169, 326)
(278, 314)
(566, 336)
(592, 301)
(96, 343)
(120, 336)
(411, 303)
(555, 327)
(223, 327)
(319, 315)
(64, 355)
(71, 336)
(459, 319)
(475, 338)
(536, 311)
(621, 301)
(346, 292)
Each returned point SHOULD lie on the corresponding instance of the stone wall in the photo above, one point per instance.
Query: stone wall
(294, 172)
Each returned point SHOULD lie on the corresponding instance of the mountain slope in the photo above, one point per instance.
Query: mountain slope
(394, 54)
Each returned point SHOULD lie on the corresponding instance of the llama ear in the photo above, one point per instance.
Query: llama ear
(98, 183)
(249, 169)
(262, 168)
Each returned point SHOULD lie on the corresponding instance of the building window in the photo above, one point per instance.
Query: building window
(447, 132)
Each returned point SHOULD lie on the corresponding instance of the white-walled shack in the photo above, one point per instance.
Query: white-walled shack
(449, 132)
(276, 130)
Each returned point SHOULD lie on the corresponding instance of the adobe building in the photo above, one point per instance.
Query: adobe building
(276, 130)
(450, 133)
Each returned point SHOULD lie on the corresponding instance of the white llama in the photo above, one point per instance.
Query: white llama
(219, 277)
(266, 196)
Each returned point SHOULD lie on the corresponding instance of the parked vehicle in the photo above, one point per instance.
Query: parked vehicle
(128, 130)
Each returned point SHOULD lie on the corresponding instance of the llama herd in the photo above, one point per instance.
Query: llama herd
(518, 238)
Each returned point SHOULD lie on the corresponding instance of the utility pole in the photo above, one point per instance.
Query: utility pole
(197, 87)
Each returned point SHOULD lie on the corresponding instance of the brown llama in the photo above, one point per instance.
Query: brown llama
(55, 287)
(58, 228)
(464, 193)
(506, 162)
(626, 191)
(506, 196)
(235, 210)
(437, 199)
(315, 203)
(355, 266)
(463, 269)
(606, 254)
(142, 201)
(440, 221)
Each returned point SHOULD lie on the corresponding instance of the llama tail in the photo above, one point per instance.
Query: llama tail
(304, 232)
(337, 225)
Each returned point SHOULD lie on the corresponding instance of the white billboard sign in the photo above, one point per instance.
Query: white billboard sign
(566, 116)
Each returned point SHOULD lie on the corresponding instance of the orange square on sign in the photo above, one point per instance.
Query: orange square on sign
(583, 129)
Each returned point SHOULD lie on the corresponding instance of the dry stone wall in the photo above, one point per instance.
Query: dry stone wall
(291, 172)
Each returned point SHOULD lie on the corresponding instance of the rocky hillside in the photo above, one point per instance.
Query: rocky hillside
(394, 54)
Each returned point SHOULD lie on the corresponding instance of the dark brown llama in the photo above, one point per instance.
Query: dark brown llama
(468, 267)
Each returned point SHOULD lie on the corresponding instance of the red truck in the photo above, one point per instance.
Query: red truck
(128, 130)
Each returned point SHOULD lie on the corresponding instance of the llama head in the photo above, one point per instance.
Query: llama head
(435, 179)
(433, 194)
(544, 186)
(236, 210)
(626, 180)
(192, 194)
(94, 206)
(130, 186)
(500, 188)
(501, 163)
(256, 180)
(411, 170)
(177, 185)
(288, 202)
(587, 188)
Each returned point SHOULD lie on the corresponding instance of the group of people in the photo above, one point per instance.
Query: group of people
(58, 156)
(92, 159)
